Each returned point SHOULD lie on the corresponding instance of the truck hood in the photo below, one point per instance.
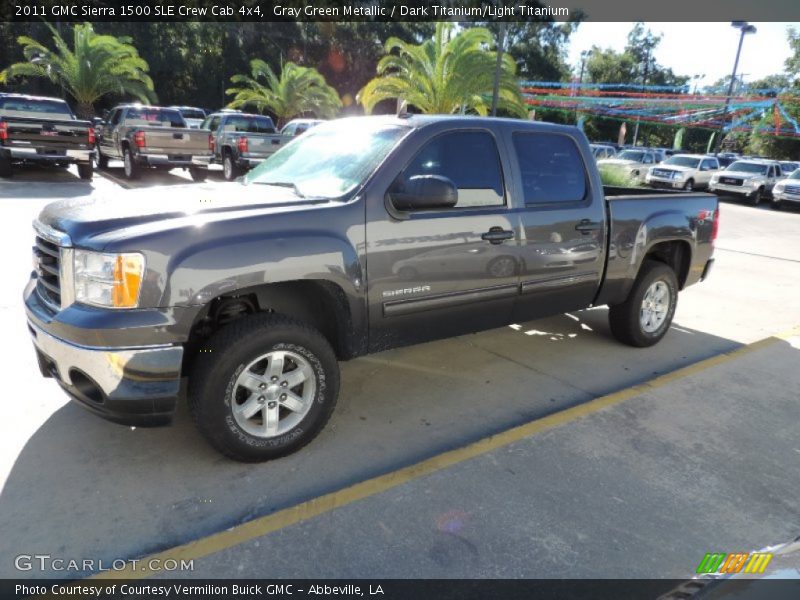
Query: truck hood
(84, 219)
(678, 168)
(617, 162)
(739, 174)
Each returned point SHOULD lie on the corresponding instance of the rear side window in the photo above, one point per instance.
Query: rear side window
(470, 160)
(158, 117)
(551, 168)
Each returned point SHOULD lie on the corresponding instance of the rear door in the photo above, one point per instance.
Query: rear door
(440, 272)
(562, 226)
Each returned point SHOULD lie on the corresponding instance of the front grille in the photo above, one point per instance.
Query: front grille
(731, 181)
(47, 260)
(793, 190)
(663, 173)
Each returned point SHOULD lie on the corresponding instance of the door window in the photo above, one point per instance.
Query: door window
(551, 168)
(470, 160)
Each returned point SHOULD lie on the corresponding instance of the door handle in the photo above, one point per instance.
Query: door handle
(587, 226)
(497, 235)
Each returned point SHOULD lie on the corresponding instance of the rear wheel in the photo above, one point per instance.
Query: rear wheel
(263, 387)
(644, 318)
(5, 167)
(131, 168)
(198, 174)
(86, 171)
(229, 168)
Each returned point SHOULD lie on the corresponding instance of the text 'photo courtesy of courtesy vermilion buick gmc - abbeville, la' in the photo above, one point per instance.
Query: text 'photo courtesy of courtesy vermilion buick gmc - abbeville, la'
(361, 235)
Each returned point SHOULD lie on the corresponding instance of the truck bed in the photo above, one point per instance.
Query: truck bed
(53, 135)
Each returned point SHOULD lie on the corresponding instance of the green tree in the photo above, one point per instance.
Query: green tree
(298, 90)
(792, 64)
(445, 74)
(95, 66)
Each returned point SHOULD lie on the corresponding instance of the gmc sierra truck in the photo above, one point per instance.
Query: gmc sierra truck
(323, 252)
(36, 129)
(240, 141)
(151, 136)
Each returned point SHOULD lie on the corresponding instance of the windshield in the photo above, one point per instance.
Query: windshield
(14, 107)
(682, 161)
(193, 113)
(634, 155)
(746, 167)
(795, 174)
(330, 160)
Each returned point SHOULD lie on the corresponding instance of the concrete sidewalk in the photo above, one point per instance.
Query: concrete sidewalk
(637, 484)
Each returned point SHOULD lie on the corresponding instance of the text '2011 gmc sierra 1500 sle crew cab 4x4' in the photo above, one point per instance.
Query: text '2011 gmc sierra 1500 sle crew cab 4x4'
(361, 235)
(36, 129)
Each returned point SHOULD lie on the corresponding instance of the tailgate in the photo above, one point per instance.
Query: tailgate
(54, 135)
(264, 145)
(170, 140)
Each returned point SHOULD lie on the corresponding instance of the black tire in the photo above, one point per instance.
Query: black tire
(86, 171)
(777, 205)
(688, 186)
(198, 174)
(502, 266)
(102, 160)
(5, 167)
(131, 169)
(213, 390)
(229, 169)
(625, 318)
(755, 198)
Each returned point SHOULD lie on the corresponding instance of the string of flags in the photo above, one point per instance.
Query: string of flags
(760, 110)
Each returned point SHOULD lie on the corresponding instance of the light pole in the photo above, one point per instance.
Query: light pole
(697, 79)
(649, 43)
(744, 27)
(584, 55)
(501, 42)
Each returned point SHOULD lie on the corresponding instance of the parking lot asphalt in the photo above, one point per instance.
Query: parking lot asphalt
(76, 486)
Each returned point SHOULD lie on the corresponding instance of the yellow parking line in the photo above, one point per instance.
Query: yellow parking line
(317, 506)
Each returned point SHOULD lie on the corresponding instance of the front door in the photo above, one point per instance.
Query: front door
(440, 272)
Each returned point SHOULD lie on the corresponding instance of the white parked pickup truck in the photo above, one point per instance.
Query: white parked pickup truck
(683, 171)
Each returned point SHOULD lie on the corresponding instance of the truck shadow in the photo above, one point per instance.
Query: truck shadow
(153, 177)
(24, 173)
(85, 488)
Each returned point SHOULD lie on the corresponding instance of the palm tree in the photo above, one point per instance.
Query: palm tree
(95, 66)
(445, 74)
(298, 90)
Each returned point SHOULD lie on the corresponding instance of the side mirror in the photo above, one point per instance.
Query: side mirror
(423, 192)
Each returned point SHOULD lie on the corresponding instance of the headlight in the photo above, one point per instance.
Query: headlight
(754, 183)
(779, 187)
(109, 280)
(678, 175)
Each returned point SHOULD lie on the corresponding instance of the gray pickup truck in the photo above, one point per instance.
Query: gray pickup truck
(152, 136)
(324, 253)
(240, 141)
(36, 129)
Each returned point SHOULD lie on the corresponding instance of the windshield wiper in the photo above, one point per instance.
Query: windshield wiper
(286, 184)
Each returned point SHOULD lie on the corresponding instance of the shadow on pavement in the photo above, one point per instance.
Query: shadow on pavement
(86, 488)
(153, 177)
(47, 174)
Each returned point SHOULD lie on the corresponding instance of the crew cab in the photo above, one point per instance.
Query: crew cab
(38, 129)
(683, 171)
(151, 136)
(787, 191)
(416, 228)
(239, 141)
(751, 179)
(633, 163)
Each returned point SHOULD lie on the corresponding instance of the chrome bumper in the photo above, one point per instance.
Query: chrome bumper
(784, 197)
(126, 385)
(741, 190)
(33, 154)
(674, 183)
(156, 159)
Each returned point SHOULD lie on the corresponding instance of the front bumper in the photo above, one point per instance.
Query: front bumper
(784, 197)
(47, 154)
(663, 182)
(132, 385)
(249, 161)
(735, 190)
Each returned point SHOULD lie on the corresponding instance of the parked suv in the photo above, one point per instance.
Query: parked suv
(239, 141)
(633, 163)
(683, 171)
(787, 191)
(751, 180)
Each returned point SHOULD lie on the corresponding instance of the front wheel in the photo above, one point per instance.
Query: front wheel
(644, 318)
(688, 186)
(263, 387)
(755, 199)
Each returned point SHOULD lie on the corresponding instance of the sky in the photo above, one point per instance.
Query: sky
(707, 49)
